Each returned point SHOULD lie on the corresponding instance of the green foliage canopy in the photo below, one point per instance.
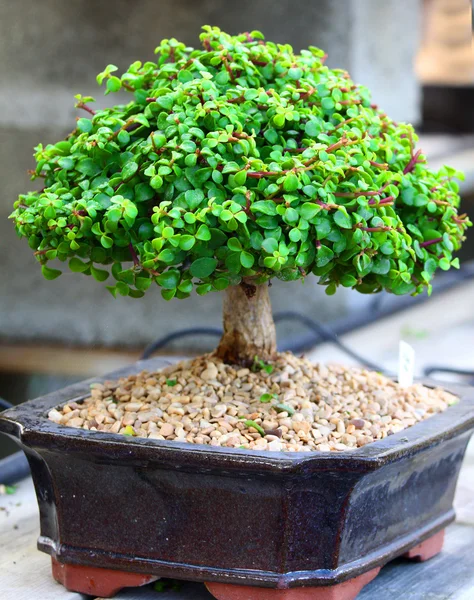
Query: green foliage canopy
(241, 159)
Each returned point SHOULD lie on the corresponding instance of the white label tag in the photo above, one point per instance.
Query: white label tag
(406, 364)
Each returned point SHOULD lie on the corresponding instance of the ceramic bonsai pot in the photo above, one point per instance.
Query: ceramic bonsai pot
(117, 511)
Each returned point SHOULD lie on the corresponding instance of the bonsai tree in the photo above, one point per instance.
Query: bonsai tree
(232, 165)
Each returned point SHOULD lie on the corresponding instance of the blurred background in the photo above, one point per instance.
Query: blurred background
(417, 58)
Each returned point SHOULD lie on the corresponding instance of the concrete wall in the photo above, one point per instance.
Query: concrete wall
(51, 50)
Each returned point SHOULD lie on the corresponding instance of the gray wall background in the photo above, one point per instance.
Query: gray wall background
(51, 50)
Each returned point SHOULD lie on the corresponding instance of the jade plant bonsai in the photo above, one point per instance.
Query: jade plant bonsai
(232, 165)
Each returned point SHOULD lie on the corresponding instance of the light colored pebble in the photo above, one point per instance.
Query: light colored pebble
(330, 408)
(166, 429)
(55, 415)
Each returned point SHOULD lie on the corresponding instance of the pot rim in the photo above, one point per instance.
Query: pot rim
(29, 422)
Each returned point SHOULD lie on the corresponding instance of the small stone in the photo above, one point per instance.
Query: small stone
(219, 410)
(133, 406)
(324, 431)
(209, 373)
(328, 408)
(166, 430)
(55, 415)
(303, 426)
(275, 446)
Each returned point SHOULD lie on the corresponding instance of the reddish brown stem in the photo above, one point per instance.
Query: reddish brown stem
(86, 108)
(383, 201)
(431, 242)
(383, 166)
(228, 69)
(361, 192)
(386, 228)
(136, 260)
(413, 161)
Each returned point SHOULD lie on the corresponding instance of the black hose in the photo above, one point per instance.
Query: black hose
(328, 335)
(175, 335)
(322, 332)
(13, 468)
(4, 405)
(428, 371)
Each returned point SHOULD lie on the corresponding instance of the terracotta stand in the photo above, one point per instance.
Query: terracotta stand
(108, 582)
(95, 581)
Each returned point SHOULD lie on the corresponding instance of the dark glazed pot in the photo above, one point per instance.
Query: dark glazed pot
(263, 519)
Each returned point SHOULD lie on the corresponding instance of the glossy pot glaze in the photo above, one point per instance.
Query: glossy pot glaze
(267, 519)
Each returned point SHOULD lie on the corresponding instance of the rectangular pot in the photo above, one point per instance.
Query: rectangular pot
(203, 513)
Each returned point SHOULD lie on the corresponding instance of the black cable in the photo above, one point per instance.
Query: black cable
(327, 334)
(175, 335)
(428, 371)
(13, 468)
(323, 333)
(4, 404)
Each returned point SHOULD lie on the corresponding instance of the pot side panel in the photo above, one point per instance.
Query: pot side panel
(401, 498)
(147, 512)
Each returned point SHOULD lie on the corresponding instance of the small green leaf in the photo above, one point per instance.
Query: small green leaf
(312, 129)
(194, 198)
(247, 260)
(123, 137)
(186, 242)
(250, 423)
(143, 192)
(129, 170)
(203, 233)
(85, 125)
(106, 241)
(309, 210)
(284, 408)
(203, 267)
(169, 280)
(265, 398)
(129, 431)
(113, 84)
(49, 273)
(99, 274)
(323, 256)
(88, 167)
(156, 182)
(77, 266)
(343, 219)
(290, 183)
(270, 245)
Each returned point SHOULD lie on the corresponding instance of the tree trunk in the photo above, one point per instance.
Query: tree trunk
(249, 330)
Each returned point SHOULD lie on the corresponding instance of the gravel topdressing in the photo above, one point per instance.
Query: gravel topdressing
(289, 404)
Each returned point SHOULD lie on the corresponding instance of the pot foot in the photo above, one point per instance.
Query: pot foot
(95, 581)
(348, 590)
(427, 549)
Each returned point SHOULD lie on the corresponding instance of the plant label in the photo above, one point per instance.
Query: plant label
(406, 364)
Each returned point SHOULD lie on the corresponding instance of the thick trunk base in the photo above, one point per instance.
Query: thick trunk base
(249, 330)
